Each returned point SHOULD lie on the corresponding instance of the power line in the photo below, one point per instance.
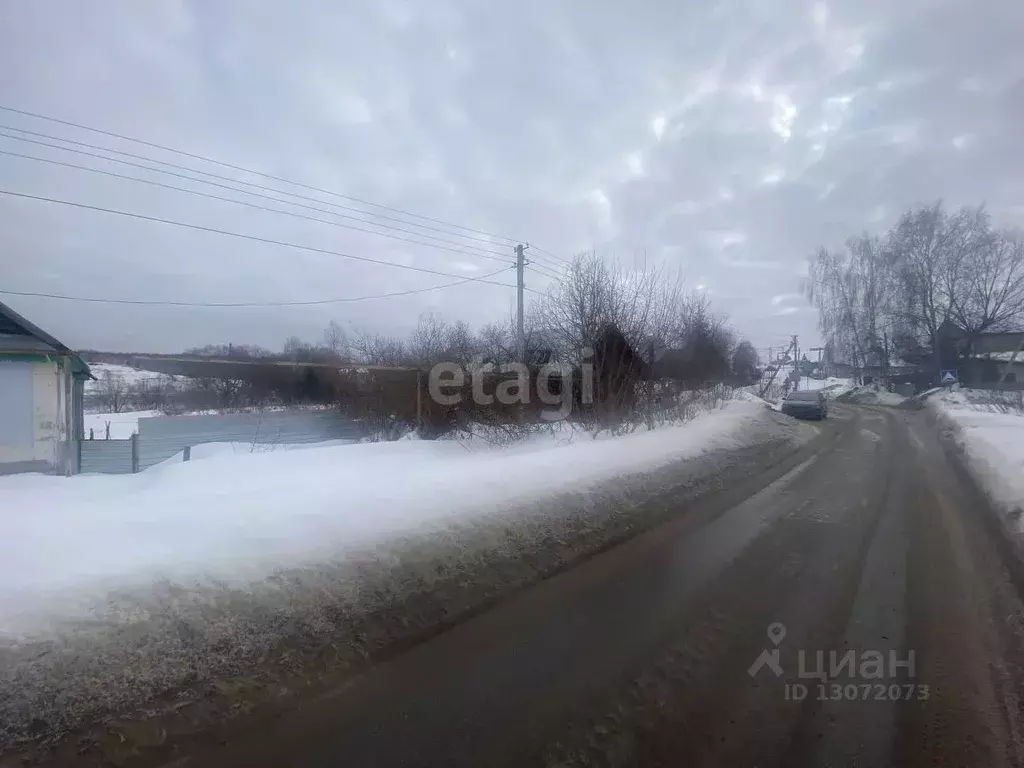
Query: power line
(256, 206)
(227, 178)
(241, 235)
(560, 268)
(253, 185)
(157, 303)
(246, 170)
(557, 269)
(537, 267)
(534, 247)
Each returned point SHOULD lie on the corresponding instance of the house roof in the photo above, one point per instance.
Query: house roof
(13, 324)
(999, 342)
(987, 342)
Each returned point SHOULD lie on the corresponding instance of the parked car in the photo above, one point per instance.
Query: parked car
(806, 404)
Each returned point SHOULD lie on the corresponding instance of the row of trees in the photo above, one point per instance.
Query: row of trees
(649, 312)
(886, 297)
(650, 307)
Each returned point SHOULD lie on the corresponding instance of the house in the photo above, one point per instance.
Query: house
(988, 360)
(41, 399)
(699, 362)
(617, 366)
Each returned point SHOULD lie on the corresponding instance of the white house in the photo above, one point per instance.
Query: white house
(41, 399)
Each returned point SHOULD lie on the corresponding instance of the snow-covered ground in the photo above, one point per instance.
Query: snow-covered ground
(750, 395)
(240, 516)
(832, 386)
(131, 377)
(871, 394)
(989, 429)
(219, 450)
(114, 589)
(122, 425)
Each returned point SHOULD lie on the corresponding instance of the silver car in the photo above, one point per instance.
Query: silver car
(806, 405)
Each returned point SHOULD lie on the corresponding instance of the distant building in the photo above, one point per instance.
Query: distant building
(984, 360)
(41, 398)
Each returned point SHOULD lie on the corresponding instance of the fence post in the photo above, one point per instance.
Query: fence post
(78, 457)
(187, 453)
(419, 400)
(135, 452)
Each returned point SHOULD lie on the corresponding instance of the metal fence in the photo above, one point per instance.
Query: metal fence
(115, 457)
(162, 437)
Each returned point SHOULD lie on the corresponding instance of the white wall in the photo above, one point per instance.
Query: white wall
(45, 443)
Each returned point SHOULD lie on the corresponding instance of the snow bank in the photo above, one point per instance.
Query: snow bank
(979, 400)
(203, 451)
(872, 394)
(116, 589)
(238, 517)
(749, 395)
(990, 435)
(832, 386)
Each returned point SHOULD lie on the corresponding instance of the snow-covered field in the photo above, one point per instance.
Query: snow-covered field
(114, 589)
(131, 377)
(989, 428)
(122, 425)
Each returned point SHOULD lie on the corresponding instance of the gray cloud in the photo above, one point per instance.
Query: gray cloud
(729, 139)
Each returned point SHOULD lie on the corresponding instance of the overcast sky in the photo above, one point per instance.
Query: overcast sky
(728, 139)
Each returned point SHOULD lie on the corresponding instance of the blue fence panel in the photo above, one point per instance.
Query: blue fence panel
(161, 437)
(112, 457)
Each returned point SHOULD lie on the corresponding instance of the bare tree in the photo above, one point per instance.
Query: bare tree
(378, 349)
(429, 340)
(991, 295)
(460, 345)
(496, 342)
(114, 392)
(643, 304)
(921, 247)
(881, 296)
(336, 340)
(855, 291)
(293, 347)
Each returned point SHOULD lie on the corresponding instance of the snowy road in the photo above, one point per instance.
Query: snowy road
(873, 548)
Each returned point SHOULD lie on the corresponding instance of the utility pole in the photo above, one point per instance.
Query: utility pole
(520, 333)
(778, 366)
(650, 379)
(819, 350)
(796, 363)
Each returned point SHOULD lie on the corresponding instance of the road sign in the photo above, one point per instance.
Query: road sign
(948, 376)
